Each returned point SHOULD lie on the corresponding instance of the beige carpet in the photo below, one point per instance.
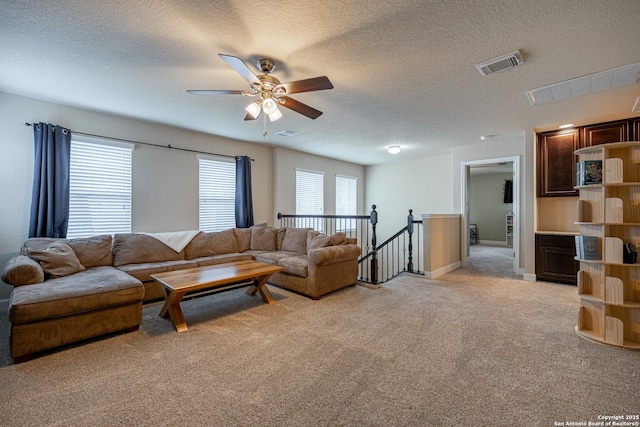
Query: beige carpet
(461, 350)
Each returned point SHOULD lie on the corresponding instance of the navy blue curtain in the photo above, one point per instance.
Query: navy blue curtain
(50, 196)
(244, 198)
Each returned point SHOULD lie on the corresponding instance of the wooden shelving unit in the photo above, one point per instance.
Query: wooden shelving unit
(609, 288)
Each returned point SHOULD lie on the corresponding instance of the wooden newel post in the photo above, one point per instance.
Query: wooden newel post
(374, 243)
(410, 231)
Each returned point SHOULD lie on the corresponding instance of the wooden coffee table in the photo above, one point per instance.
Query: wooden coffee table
(214, 278)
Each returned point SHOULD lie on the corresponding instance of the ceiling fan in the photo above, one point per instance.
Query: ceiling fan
(270, 92)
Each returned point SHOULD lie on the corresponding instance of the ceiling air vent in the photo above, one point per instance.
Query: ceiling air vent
(503, 62)
(286, 133)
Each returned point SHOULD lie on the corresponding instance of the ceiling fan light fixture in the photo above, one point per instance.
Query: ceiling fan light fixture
(275, 115)
(254, 109)
(269, 106)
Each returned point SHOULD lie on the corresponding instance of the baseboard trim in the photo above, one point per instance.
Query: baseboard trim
(528, 277)
(493, 243)
(443, 270)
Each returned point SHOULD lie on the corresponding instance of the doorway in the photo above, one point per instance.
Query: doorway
(501, 169)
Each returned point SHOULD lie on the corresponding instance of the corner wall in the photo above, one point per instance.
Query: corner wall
(424, 185)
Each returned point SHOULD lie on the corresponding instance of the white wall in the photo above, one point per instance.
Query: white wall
(165, 181)
(285, 163)
(424, 185)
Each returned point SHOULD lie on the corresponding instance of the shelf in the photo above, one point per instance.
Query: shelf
(597, 338)
(608, 288)
(610, 146)
(599, 299)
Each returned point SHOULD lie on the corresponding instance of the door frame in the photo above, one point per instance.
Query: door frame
(465, 168)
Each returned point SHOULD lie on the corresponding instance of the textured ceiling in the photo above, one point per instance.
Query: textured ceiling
(403, 71)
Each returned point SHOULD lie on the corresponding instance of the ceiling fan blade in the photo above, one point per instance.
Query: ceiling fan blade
(307, 85)
(240, 67)
(301, 108)
(215, 92)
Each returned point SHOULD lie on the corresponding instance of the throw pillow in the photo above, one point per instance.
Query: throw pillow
(57, 259)
(311, 234)
(295, 240)
(320, 241)
(338, 238)
(263, 239)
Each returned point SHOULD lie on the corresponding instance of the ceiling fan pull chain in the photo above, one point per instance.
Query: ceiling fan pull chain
(264, 125)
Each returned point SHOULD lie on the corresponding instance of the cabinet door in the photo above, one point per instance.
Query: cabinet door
(555, 259)
(557, 163)
(636, 131)
(605, 133)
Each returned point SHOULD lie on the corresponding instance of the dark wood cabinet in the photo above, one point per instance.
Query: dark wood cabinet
(555, 258)
(604, 133)
(557, 163)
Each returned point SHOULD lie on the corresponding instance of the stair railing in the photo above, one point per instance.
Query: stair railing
(377, 263)
(395, 255)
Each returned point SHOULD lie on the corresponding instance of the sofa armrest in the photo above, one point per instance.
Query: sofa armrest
(333, 254)
(22, 270)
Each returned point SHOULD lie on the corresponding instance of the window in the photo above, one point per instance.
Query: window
(309, 196)
(346, 201)
(99, 188)
(217, 193)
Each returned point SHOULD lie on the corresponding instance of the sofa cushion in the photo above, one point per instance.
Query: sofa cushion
(298, 265)
(93, 251)
(274, 257)
(22, 270)
(263, 239)
(295, 240)
(132, 248)
(211, 243)
(221, 259)
(57, 259)
(243, 238)
(280, 235)
(90, 251)
(92, 289)
(143, 271)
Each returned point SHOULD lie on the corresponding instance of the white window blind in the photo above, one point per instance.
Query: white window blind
(309, 194)
(217, 194)
(100, 189)
(346, 200)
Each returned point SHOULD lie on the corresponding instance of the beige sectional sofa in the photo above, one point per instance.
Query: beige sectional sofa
(66, 290)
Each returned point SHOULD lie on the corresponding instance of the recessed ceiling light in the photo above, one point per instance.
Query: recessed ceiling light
(482, 138)
(393, 149)
(568, 125)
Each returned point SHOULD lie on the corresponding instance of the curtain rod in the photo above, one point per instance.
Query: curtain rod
(151, 145)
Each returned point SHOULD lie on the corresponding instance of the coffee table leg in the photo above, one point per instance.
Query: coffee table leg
(260, 285)
(172, 308)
